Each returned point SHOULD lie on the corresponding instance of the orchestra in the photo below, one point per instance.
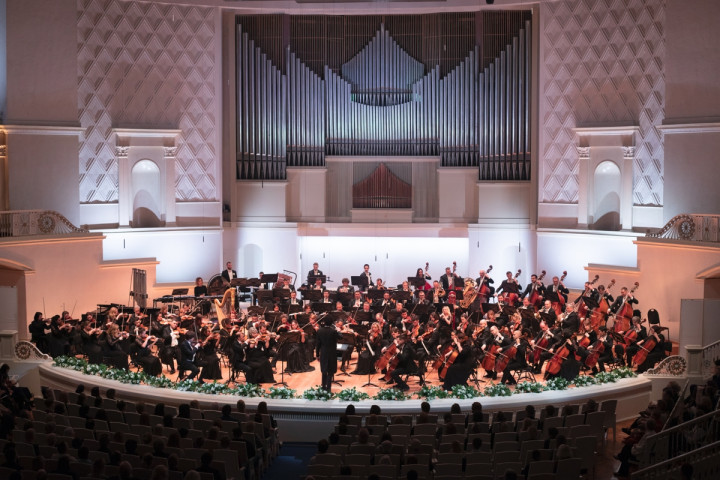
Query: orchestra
(420, 327)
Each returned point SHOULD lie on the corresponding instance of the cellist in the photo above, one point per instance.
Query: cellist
(569, 321)
(495, 339)
(462, 366)
(557, 293)
(605, 355)
(625, 352)
(625, 298)
(543, 345)
(519, 361)
(658, 351)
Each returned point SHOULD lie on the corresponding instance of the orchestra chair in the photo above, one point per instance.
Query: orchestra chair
(524, 374)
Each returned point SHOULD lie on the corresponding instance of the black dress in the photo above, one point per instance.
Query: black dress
(211, 362)
(258, 361)
(91, 347)
(113, 354)
(460, 370)
(144, 357)
(366, 360)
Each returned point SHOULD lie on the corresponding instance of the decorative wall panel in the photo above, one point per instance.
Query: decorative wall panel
(602, 63)
(147, 65)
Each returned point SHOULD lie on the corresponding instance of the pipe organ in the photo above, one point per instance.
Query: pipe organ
(383, 102)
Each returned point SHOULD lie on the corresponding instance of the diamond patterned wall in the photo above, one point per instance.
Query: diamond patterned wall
(152, 66)
(601, 63)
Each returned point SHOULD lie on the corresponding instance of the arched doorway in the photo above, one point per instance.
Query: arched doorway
(146, 195)
(607, 183)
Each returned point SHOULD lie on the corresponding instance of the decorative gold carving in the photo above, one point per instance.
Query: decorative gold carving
(673, 365)
(25, 350)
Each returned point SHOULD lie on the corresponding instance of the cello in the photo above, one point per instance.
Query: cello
(555, 363)
(449, 360)
(595, 351)
(386, 357)
(624, 316)
(503, 358)
(646, 346)
(535, 298)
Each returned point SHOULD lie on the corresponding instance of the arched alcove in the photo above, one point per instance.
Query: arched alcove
(146, 194)
(607, 191)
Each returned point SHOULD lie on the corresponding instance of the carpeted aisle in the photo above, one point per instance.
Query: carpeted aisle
(292, 461)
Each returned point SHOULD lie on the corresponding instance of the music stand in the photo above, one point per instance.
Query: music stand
(417, 282)
(376, 294)
(311, 279)
(294, 309)
(355, 280)
(264, 296)
(363, 317)
(401, 296)
(177, 292)
(323, 307)
(344, 297)
(549, 319)
(282, 341)
(369, 382)
(528, 315)
(590, 303)
(312, 295)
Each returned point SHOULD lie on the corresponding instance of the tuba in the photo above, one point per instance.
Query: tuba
(469, 293)
(227, 305)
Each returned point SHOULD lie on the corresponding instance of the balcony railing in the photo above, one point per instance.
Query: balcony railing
(23, 223)
(698, 228)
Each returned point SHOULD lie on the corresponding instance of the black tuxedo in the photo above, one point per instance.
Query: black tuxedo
(326, 350)
(620, 301)
(187, 359)
(406, 364)
(227, 275)
(364, 281)
(538, 287)
(445, 281)
(570, 324)
(553, 292)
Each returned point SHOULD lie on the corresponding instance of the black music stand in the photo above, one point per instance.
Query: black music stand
(280, 294)
(355, 280)
(312, 295)
(401, 296)
(376, 294)
(528, 315)
(264, 297)
(323, 307)
(311, 279)
(363, 317)
(283, 340)
(590, 303)
(392, 316)
(369, 381)
(345, 297)
(549, 319)
(417, 282)
(294, 309)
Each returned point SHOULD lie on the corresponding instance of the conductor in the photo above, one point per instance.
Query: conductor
(326, 351)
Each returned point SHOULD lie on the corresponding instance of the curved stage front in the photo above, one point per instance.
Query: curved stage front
(310, 420)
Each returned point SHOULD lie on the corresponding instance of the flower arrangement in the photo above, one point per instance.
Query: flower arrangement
(250, 390)
(429, 392)
(280, 392)
(187, 385)
(213, 388)
(464, 392)
(529, 387)
(351, 395)
(497, 390)
(159, 382)
(584, 381)
(317, 393)
(623, 372)
(390, 394)
(557, 383)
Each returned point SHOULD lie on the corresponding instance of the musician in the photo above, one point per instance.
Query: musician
(200, 290)
(318, 285)
(424, 284)
(39, 331)
(509, 286)
(258, 359)
(464, 326)
(445, 326)
(497, 339)
(169, 350)
(556, 290)
(113, 353)
(370, 355)
(406, 363)
(60, 336)
(569, 321)
(188, 349)
(137, 319)
(386, 301)
(658, 352)
(484, 280)
(238, 356)
(326, 350)
(142, 355)
(449, 280)
(570, 366)
(315, 272)
(357, 301)
(437, 293)
(379, 285)
(519, 361)
(422, 299)
(228, 274)
(90, 337)
(588, 291)
(624, 297)
(365, 279)
(547, 311)
(464, 363)
(293, 300)
(345, 287)
(326, 297)
(207, 357)
(348, 332)
(606, 340)
(544, 345)
(606, 295)
(535, 285)
(636, 334)
(296, 361)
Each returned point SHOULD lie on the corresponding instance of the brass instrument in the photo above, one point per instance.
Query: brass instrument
(469, 293)
(438, 294)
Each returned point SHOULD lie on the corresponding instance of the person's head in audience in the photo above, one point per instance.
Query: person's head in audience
(226, 410)
(262, 408)
(59, 409)
(535, 455)
(456, 447)
(147, 460)
(120, 405)
(159, 409)
(560, 440)
(206, 459)
(550, 410)
(322, 446)
(110, 393)
(167, 421)
(173, 462)
(386, 437)
(363, 436)
(131, 446)
(375, 409)
(158, 447)
(80, 388)
(95, 392)
(118, 437)
(240, 406)
(334, 438)
(455, 408)
(158, 429)
(384, 460)
(115, 458)
(591, 406)
(350, 409)
(125, 470)
(213, 433)
(563, 451)
(184, 410)
(159, 472)
(146, 438)
(530, 411)
(477, 444)
(414, 446)
(194, 404)
(425, 407)
(140, 407)
(183, 432)
(552, 433)
(447, 417)
(385, 447)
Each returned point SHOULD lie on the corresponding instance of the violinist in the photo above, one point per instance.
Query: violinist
(346, 332)
(188, 350)
(137, 319)
(113, 316)
(90, 336)
(284, 325)
(462, 364)
(39, 330)
(370, 355)
(142, 355)
(60, 336)
(296, 361)
(170, 341)
(267, 342)
(318, 285)
(113, 353)
(464, 326)
(258, 358)
(481, 333)
(207, 357)
(379, 285)
(519, 360)
(405, 363)
(238, 356)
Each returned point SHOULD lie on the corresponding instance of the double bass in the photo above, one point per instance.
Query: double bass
(512, 298)
(536, 299)
(599, 315)
(559, 306)
(581, 308)
(623, 317)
